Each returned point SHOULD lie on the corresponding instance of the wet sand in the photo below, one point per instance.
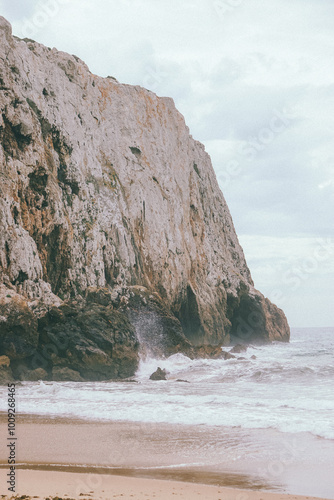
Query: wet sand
(131, 460)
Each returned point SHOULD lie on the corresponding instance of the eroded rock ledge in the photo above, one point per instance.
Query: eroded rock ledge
(113, 230)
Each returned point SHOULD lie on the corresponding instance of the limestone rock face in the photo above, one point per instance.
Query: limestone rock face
(103, 187)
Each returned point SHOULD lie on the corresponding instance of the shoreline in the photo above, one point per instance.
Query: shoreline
(190, 455)
(46, 484)
(174, 474)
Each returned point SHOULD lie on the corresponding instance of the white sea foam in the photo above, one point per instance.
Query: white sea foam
(289, 387)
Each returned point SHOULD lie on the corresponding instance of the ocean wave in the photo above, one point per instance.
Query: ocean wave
(284, 388)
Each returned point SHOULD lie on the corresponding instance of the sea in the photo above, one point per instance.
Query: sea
(264, 419)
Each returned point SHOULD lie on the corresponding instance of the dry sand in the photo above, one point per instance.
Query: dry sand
(42, 484)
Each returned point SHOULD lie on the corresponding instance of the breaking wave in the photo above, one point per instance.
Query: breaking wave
(289, 387)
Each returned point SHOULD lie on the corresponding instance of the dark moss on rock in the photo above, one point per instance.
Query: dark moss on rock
(93, 340)
(18, 328)
(65, 374)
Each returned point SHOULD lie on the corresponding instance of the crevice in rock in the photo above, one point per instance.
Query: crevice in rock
(189, 317)
(59, 144)
(12, 139)
(38, 180)
(15, 214)
(22, 276)
(63, 177)
(195, 167)
(7, 254)
(135, 151)
(58, 257)
(45, 124)
(64, 151)
(108, 270)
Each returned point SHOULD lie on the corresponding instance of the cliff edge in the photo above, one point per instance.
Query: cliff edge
(113, 230)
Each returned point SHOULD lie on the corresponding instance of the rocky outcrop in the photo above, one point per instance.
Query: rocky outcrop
(239, 348)
(5, 371)
(18, 325)
(82, 341)
(159, 374)
(107, 203)
(208, 352)
(66, 374)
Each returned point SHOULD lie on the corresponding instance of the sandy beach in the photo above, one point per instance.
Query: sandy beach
(42, 484)
(166, 250)
(79, 459)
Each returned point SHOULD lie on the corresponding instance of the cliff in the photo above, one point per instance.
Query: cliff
(113, 230)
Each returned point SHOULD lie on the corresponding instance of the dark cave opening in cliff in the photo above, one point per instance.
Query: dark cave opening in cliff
(247, 321)
(190, 318)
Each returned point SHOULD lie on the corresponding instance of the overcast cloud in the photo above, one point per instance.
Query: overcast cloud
(255, 82)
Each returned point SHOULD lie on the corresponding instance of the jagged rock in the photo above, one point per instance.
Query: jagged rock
(65, 374)
(94, 340)
(101, 296)
(34, 375)
(103, 190)
(256, 320)
(241, 358)
(211, 352)
(39, 295)
(239, 348)
(5, 375)
(159, 374)
(228, 355)
(253, 357)
(18, 325)
(4, 361)
(5, 29)
(208, 352)
(5, 372)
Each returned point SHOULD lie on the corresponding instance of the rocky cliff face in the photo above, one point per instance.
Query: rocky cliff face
(110, 209)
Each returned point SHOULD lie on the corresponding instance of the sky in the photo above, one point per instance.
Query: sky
(254, 80)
